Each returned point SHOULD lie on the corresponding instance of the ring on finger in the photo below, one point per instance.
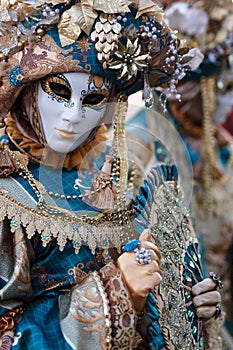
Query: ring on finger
(218, 311)
(142, 256)
(216, 279)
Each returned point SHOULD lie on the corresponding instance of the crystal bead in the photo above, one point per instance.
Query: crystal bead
(147, 95)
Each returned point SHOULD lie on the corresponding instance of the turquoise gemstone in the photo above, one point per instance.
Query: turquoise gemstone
(201, 342)
(14, 223)
(131, 245)
(105, 243)
(194, 330)
(46, 237)
(191, 264)
(194, 256)
(76, 244)
(188, 278)
(190, 313)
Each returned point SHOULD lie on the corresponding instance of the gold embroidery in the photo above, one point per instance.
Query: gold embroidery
(123, 316)
(89, 306)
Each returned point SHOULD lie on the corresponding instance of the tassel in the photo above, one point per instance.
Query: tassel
(7, 164)
(103, 192)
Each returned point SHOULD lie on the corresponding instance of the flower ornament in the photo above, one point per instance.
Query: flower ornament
(128, 60)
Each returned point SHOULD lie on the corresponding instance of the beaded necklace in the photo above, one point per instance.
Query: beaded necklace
(40, 191)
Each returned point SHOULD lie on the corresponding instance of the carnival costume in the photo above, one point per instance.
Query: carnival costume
(60, 285)
(198, 118)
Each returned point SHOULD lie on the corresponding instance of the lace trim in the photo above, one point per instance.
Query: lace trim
(104, 235)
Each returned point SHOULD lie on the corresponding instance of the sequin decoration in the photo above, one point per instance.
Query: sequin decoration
(161, 207)
(181, 267)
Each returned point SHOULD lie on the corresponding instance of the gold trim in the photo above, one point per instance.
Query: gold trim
(105, 234)
(106, 310)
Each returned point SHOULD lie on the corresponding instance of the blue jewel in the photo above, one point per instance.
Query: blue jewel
(14, 223)
(105, 243)
(15, 77)
(76, 244)
(46, 237)
(131, 245)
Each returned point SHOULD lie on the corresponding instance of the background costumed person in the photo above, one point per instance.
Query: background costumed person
(205, 104)
(71, 275)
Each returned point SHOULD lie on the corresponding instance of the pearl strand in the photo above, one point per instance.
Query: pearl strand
(40, 190)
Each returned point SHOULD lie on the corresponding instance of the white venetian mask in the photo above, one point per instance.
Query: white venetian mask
(71, 105)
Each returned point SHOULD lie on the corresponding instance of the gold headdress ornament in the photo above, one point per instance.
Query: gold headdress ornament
(39, 38)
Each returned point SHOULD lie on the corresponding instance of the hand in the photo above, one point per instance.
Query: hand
(140, 279)
(206, 297)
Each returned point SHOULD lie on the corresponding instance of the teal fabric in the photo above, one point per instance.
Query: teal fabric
(51, 276)
(52, 270)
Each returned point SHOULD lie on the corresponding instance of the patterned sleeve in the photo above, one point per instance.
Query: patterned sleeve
(100, 312)
(15, 282)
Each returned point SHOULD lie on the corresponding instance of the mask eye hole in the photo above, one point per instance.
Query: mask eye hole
(94, 99)
(57, 86)
(60, 90)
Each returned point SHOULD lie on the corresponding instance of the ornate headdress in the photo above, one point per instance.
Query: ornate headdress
(127, 41)
(208, 25)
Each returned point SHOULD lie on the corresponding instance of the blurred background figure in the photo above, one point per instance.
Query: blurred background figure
(201, 110)
(203, 116)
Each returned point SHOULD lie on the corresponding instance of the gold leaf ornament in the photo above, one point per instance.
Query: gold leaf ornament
(70, 25)
(8, 3)
(24, 4)
(81, 17)
(147, 7)
(110, 7)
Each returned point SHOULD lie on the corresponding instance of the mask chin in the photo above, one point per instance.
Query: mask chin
(64, 145)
